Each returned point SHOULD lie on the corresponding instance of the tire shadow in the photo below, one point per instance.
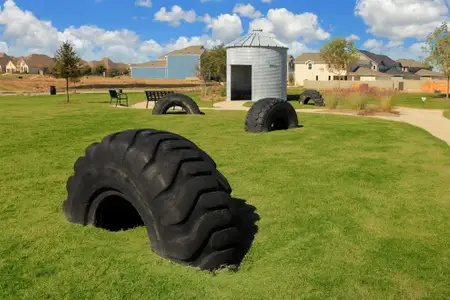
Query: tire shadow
(246, 224)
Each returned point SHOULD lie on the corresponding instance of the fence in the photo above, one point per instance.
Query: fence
(425, 86)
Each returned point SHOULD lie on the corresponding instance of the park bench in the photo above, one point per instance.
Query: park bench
(118, 96)
(156, 95)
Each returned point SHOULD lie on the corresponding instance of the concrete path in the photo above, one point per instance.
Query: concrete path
(432, 120)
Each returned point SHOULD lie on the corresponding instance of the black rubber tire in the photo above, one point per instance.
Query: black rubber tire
(270, 114)
(314, 95)
(176, 99)
(174, 186)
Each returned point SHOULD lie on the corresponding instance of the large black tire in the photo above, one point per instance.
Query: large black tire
(271, 114)
(163, 181)
(171, 100)
(313, 95)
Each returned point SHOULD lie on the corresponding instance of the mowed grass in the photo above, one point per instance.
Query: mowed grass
(447, 114)
(103, 98)
(350, 208)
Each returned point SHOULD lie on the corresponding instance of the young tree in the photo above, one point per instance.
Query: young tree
(86, 70)
(437, 49)
(67, 64)
(99, 70)
(339, 55)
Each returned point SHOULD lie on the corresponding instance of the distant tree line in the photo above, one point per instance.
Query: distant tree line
(86, 70)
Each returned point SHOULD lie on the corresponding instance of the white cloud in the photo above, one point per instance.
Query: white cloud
(143, 3)
(225, 27)
(395, 49)
(373, 44)
(247, 10)
(289, 27)
(175, 15)
(266, 1)
(3, 47)
(296, 48)
(353, 38)
(399, 19)
(26, 30)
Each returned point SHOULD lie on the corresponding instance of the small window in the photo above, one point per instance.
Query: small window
(317, 78)
(309, 66)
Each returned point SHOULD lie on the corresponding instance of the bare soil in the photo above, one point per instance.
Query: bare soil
(38, 83)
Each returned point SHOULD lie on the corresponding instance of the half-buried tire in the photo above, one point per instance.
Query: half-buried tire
(164, 104)
(313, 95)
(163, 181)
(271, 114)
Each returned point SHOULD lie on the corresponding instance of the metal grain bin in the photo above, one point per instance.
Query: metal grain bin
(256, 68)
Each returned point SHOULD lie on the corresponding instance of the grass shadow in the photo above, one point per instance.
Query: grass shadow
(246, 224)
(293, 97)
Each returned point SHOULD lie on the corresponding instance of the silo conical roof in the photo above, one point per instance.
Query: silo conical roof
(256, 38)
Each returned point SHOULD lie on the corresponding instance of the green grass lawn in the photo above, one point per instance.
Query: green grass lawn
(447, 114)
(415, 101)
(133, 98)
(350, 208)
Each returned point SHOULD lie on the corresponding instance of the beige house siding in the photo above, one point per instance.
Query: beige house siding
(23, 67)
(11, 67)
(368, 78)
(317, 72)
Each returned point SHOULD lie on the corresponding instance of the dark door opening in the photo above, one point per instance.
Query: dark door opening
(241, 82)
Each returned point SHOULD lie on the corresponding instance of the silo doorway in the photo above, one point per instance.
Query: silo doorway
(241, 82)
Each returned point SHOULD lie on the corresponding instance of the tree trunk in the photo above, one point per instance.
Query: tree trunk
(448, 86)
(67, 89)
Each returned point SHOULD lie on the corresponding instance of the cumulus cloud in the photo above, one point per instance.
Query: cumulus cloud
(395, 49)
(143, 3)
(247, 10)
(399, 19)
(289, 27)
(3, 47)
(175, 15)
(225, 27)
(353, 38)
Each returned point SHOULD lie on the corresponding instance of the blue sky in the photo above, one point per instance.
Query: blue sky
(140, 30)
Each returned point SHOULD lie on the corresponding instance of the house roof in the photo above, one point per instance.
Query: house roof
(396, 72)
(363, 71)
(428, 73)
(151, 64)
(191, 50)
(256, 38)
(380, 59)
(310, 56)
(39, 61)
(4, 60)
(107, 63)
(410, 63)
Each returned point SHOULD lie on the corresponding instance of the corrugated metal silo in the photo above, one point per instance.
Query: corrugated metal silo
(256, 68)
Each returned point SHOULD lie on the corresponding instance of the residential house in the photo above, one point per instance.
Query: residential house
(378, 62)
(368, 67)
(413, 66)
(311, 66)
(430, 75)
(7, 63)
(178, 64)
(108, 64)
(35, 64)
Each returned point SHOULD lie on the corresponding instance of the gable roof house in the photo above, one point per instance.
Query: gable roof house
(178, 64)
(377, 62)
(413, 66)
(4, 59)
(36, 64)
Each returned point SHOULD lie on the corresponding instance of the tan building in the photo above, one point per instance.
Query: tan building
(430, 75)
(368, 67)
(35, 64)
(6, 64)
(413, 66)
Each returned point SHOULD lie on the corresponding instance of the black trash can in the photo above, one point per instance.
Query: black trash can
(52, 90)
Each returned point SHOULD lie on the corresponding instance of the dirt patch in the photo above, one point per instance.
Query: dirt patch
(40, 84)
(364, 112)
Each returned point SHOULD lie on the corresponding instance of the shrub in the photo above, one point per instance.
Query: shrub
(384, 101)
(223, 92)
(331, 100)
(358, 100)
